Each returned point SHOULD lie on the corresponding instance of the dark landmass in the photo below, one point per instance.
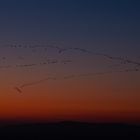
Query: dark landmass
(69, 131)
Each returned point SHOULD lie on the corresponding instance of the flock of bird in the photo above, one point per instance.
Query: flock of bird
(62, 50)
(66, 77)
(46, 62)
(135, 66)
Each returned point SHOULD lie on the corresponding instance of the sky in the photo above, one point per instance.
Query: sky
(70, 60)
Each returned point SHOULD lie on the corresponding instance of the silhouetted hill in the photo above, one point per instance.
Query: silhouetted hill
(68, 131)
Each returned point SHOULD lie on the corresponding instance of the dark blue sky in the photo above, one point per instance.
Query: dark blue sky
(111, 25)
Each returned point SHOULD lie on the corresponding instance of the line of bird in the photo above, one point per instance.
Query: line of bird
(49, 61)
(70, 76)
(61, 50)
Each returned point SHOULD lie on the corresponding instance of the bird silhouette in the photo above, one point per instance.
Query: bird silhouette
(18, 89)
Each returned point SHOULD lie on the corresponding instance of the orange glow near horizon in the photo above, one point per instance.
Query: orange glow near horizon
(66, 103)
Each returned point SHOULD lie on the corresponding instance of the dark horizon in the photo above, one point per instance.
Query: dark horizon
(69, 130)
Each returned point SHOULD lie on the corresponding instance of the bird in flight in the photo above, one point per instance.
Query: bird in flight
(18, 89)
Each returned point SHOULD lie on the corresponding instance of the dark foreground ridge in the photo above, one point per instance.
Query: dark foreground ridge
(69, 131)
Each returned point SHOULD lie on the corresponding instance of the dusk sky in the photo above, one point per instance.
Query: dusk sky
(70, 60)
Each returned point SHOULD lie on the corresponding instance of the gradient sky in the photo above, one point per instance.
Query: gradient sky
(101, 26)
